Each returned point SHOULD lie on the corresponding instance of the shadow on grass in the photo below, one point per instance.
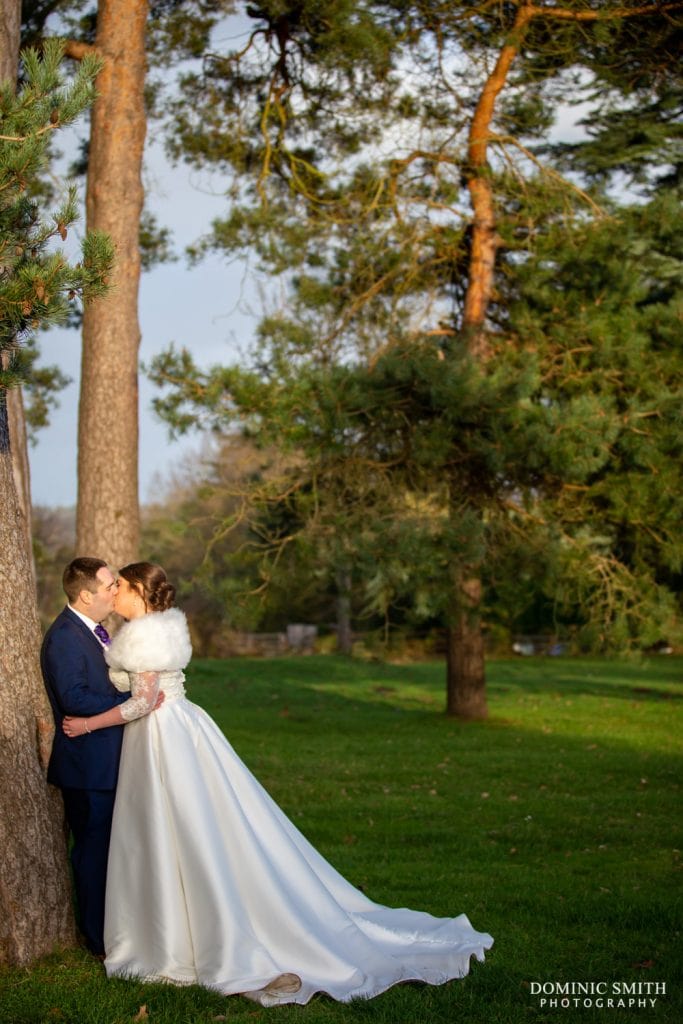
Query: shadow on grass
(645, 679)
(342, 694)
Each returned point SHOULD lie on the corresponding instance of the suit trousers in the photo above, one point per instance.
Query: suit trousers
(89, 815)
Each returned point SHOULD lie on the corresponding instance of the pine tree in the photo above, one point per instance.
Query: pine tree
(37, 287)
(382, 251)
(10, 22)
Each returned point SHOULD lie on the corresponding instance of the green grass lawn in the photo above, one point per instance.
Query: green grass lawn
(555, 825)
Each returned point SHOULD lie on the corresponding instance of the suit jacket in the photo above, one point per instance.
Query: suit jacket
(77, 682)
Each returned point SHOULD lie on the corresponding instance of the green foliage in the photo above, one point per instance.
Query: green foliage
(37, 283)
(77, 20)
(155, 242)
(42, 384)
(212, 549)
(54, 536)
(410, 459)
(569, 442)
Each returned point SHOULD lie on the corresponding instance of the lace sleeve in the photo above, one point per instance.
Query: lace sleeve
(144, 688)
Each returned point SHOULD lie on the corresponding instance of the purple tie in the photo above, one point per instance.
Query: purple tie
(101, 634)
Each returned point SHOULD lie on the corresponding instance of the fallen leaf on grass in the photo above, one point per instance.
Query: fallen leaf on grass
(644, 963)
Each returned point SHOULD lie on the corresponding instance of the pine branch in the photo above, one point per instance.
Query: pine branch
(606, 15)
(77, 50)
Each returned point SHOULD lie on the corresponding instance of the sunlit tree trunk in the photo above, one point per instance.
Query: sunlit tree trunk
(108, 511)
(466, 673)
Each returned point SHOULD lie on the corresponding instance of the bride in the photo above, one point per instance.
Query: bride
(208, 881)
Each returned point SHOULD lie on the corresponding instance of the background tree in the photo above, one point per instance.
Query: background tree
(203, 531)
(37, 285)
(384, 246)
(54, 536)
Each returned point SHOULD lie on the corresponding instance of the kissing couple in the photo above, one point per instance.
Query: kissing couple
(186, 871)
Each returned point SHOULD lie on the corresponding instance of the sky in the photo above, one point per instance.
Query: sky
(211, 309)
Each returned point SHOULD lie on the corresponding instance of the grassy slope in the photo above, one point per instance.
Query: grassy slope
(555, 826)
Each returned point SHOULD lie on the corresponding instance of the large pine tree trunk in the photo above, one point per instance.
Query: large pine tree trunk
(108, 522)
(35, 890)
(465, 652)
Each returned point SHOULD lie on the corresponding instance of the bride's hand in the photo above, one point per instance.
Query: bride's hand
(75, 726)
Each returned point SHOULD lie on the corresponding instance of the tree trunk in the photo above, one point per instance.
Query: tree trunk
(35, 889)
(10, 25)
(20, 468)
(108, 517)
(466, 691)
(466, 671)
(344, 636)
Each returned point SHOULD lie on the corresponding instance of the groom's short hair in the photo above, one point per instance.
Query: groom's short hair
(81, 574)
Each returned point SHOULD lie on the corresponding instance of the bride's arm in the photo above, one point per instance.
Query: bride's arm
(144, 698)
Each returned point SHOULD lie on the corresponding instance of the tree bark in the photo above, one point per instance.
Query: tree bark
(108, 518)
(344, 636)
(21, 469)
(465, 653)
(10, 27)
(35, 890)
(466, 670)
(485, 239)
(466, 677)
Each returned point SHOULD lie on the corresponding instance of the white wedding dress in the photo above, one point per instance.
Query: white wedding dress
(210, 883)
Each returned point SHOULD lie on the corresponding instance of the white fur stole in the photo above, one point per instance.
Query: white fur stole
(157, 642)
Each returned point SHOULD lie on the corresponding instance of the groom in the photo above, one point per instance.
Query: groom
(84, 768)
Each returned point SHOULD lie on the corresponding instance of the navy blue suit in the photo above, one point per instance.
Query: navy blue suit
(85, 768)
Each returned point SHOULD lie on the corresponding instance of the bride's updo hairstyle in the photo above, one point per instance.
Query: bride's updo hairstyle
(151, 583)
